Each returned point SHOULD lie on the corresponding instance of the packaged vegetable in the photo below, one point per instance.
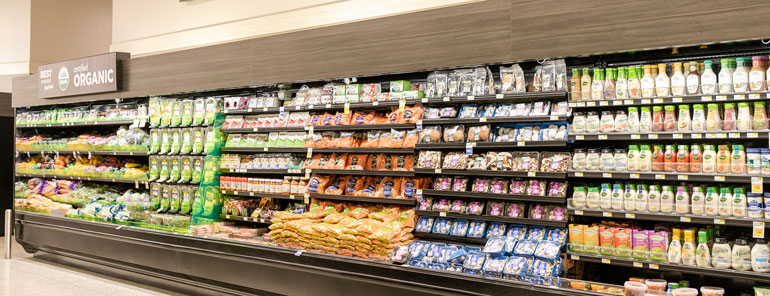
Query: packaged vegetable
(525, 247)
(454, 133)
(477, 229)
(424, 224)
(442, 226)
(495, 208)
(548, 249)
(496, 229)
(460, 227)
(536, 233)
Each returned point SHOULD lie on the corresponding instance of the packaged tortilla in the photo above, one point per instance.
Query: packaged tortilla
(154, 141)
(354, 184)
(174, 201)
(187, 169)
(384, 162)
(356, 161)
(154, 173)
(165, 141)
(165, 166)
(176, 169)
(197, 172)
(402, 162)
(317, 183)
(197, 135)
(187, 143)
(176, 139)
(176, 112)
(337, 186)
(388, 188)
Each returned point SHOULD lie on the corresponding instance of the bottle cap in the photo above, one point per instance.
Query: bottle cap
(703, 237)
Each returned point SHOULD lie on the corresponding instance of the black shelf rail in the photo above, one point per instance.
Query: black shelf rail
(362, 127)
(446, 237)
(687, 99)
(380, 200)
(673, 217)
(551, 175)
(491, 145)
(265, 129)
(482, 120)
(663, 176)
(261, 171)
(491, 196)
(760, 134)
(85, 123)
(362, 172)
(384, 105)
(117, 153)
(488, 218)
(245, 219)
(298, 197)
(365, 150)
(94, 179)
(263, 149)
(523, 97)
(706, 271)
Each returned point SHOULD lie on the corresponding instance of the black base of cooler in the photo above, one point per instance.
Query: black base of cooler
(199, 266)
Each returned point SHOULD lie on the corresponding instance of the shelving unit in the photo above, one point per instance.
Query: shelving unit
(491, 145)
(666, 176)
(362, 172)
(262, 171)
(379, 200)
(669, 136)
(549, 175)
(673, 217)
(488, 218)
(491, 196)
(516, 119)
(450, 238)
(264, 129)
(263, 149)
(80, 178)
(692, 99)
(519, 97)
(246, 219)
(85, 123)
(115, 153)
(298, 197)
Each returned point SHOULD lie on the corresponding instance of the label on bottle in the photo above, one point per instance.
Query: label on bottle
(740, 81)
(692, 84)
(756, 80)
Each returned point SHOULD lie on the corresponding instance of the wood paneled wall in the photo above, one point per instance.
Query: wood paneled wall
(492, 31)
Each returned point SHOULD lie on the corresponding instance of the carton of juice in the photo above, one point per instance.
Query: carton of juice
(641, 244)
(606, 238)
(622, 242)
(576, 238)
(658, 245)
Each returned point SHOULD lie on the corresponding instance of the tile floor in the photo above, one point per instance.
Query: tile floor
(25, 275)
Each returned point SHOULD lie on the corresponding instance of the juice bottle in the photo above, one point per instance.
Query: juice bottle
(757, 73)
(723, 160)
(669, 156)
(696, 158)
(683, 159)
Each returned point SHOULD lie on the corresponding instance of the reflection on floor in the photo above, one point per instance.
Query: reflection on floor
(26, 275)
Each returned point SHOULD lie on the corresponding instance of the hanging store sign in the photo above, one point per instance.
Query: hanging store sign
(94, 74)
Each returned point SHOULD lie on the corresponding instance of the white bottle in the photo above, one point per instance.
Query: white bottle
(682, 200)
(629, 197)
(708, 80)
(677, 80)
(698, 200)
(739, 203)
(675, 247)
(711, 202)
(725, 77)
(741, 76)
(662, 82)
(760, 257)
(667, 200)
(725, 202)
(641, 198)
(721, 254)
(617, 196)
(702, 252)
(621, 84)
(605, 197)
(741, 255)
(648, 83)
(688, 248)
(653, 199)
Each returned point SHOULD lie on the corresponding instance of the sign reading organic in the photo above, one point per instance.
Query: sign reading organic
(95, 74)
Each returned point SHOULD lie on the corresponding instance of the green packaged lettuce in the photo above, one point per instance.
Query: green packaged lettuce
(187, 168)
(185, 203)
(210, 139)
(212, 108)
(165, 113)
(154, 141)
(176, 169)
(175, 200)
(187, 112)
(197, 147)
(176, 141)
(176, 113)
(165, 198)
(155, 194)
(154, 111)
(187, 141)
(199, 111)
(165, 141)
(197, 172)
(154, 168)
(164, 169)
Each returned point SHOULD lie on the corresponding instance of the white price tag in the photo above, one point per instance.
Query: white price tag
(572, 105)
(657, 101)
(531, 174)
(578, 174)
(696, 136)
(579, 212)
(438, 171)
(604, 103)
(499, 96)
(752, 135)
(580, 137)
(630, 215)
(721, 135)
(575, 257)
(734, 135)
(706, 99)
(628, 102)
(602, 137)
(654, 266)
(757, 184)
(685, 219)
(660, 176)
(721, 98)
(677, 136)
(753, 96)
(638, 264)
(445, 99)
(521, 143)
(590, 104)
(309, 153)
(256, 129)
(676, 100)
(617, 103)
(419, 125)
(719, 221)
(646, 101)
(470, 98)
(554, 117)
(633, 176)
(607, 175)
(652, 136)
(711, 136)
(607, 214)
(310, 107)
(719, 178)
(483, 119)
(401, 104)
(377, 103)
(739, 97)
(442, 214)
(606, 261)
(297, 108)
(636, 137)
(581, 104)
(469, 148)
(346, 108)
(682, 177)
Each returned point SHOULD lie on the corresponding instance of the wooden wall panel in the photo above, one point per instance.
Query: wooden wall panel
(493, 31)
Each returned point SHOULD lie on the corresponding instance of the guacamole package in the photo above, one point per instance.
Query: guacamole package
(176, 139)
(186, 141)
(176, 169)
(187, 112)
(199, 111)
(176, 112)
(197, 172)
(187, 168)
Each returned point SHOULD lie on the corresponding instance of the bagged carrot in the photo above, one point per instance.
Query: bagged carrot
(337, 186)
(411, 138)
(384, 162)
(402, 162)
(388, 188)
(356, 161)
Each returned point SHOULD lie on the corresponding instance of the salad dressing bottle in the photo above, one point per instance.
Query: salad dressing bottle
(648, 83)
(629, 197)
(597, 85)
(757, 74)
(609, 84)
(574, 85)
(693, 79)
(653, 199)
(585, 85)
(634, 84)
(662, 82)
(708, 83)
(711, 202)
(667, 199)
(741, 76)
(677, 80)
(725, 202)
(621, 85)
(688, 248)
(698, 200)
(675, 247)
(605, 199)
(725, 77)
(617, 196)
(682, 200)
(641, 198)
(739, 203)
(702, 252)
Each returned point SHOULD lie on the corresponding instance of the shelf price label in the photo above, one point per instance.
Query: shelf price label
(469, 148)
(660, 177)
(628, 102)
(646, 101)
(721, 98)
(606, 175)
(753, 96)
(499, 96)
(638, 264)
(652, 136)
(654, 266)
(758, 229)
(696, 136)
(706, 98)
(521, 143)
(482, 119)
(554, 117)
(581, 104)
(636, 137)
(377, 103)
(676, 100)
(571, 105)
(677, 136)
(531, 174)
(346, 108)
(685, 219)
(752, 135)
(418, 193)
(445, 99)
(630, 215)
(719, 221)
(633, 176)
(578, 174)
(575, 257)
(578, 137)
(757, 184)
(617, 102)
(579, 212)
(710, 136)
(401, 104)
(682, 177)
(607, 214)
(657, 101)
(419, 125)
(442, 214)
(739, 97)
(719, 178)
(606, 261)
(591, 104)
(309, 153)
(603, 103)
(602, 137)
(734, 135)
(470, 98)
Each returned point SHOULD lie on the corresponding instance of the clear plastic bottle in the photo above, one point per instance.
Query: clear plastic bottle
(741, 76)
(741, 255)
(579, 195)
(682, 200)
(609, 84)
(632, 158)
(621, 121)
(645, 158)
(617, 196)
(754, 205)
(711, 204)
(709, 159)
(607, 123)
(702, 252)
(725, 202)
(675, 247)
(593, 198)
(629, 197)
(678, 83)
(653, 199)
(743, 120)
(692, 79)
(621, 159)
(645, 120)
(683, 120)
(760, 257)
(739, 203)
(759, 122)
(708, 83)
(698, 200)
(648, 82)
(757, 73)
(662, 82)
(641, 198)
(667, 199)
(592, 122)
(593, 160)
(721, 255)
(634, 83)
(597, 85)
(605, 196)
(621, 85)
(585, 85)
(607, 160)
(698, 122)
(725, 77)
(688, 248)
(633, 119)
(713, 121)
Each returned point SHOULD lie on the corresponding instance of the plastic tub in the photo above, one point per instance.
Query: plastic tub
(685, 292)
(711, 291)
(634, 289)
(656, 284)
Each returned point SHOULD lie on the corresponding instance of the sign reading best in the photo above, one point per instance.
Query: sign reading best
(95, 74)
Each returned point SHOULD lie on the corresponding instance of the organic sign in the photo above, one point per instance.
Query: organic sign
(95, 74)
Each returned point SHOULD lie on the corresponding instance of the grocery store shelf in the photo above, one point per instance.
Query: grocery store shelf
(245, 219)
(323, 107)
(118, 153)
(94, 179)
(263, 149)
(379, 200)
(264, 129)
(763, 134)
(495, 98)
(362, 127)
(666, 176)
(446, 237)
(493, 196)
(491, 173)
(706, 271)
(87, 123)
(261, 171)
(482, 120)
(673, 217)
(491, 145)
(298, 197)
(492, 218)
(365, 150)
(672, 100)
(363, 172)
